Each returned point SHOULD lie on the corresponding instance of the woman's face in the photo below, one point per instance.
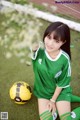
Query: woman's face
(52, 45)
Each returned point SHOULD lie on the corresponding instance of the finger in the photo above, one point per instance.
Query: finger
(54, 110)
(50, 108)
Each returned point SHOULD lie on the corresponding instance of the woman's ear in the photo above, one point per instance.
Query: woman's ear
(64, 42)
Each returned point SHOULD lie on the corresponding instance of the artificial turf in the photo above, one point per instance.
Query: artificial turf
(11, 70)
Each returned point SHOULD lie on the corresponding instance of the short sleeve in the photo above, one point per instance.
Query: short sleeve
(65, 77)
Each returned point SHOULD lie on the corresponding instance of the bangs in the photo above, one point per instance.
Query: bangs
(58, 35)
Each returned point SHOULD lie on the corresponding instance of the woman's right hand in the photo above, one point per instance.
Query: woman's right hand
(35, 46)
(51, 107)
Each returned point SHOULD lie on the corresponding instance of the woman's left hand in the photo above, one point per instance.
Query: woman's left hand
(51, 107)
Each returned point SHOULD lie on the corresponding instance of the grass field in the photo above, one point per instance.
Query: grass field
(12, 70)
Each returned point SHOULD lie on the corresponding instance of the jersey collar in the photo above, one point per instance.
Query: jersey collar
(58, 56)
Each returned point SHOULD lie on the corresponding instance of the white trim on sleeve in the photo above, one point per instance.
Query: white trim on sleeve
(34, 54)
(64, 86)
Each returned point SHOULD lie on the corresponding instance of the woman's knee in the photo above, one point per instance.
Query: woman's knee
(43, 110)
(42, 105)
(63, 107)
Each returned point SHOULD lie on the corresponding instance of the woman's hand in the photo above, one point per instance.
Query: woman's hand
(51, 107)
(35, 46)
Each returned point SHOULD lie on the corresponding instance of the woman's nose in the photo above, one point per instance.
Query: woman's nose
(50, 42)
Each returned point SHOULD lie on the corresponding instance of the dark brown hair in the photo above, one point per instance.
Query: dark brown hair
(61, 32)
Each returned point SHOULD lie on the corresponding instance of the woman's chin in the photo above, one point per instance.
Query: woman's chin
(49, 50)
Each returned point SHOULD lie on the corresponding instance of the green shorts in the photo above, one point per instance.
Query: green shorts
(65, 94)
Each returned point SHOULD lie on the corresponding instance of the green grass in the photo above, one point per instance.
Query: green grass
(75, 42)
(11, 70)
(19, 1)
(75, 83)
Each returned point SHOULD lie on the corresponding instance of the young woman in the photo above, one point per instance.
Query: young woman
(52, 71)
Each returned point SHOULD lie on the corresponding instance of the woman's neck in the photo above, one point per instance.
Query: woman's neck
(54, 54)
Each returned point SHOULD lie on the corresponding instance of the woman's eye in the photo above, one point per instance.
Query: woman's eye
(57, 41)
(48, 36)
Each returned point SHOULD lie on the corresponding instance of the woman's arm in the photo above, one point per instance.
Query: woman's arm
(35, 46)
(56, 93)
(52, 102)
(34, 50)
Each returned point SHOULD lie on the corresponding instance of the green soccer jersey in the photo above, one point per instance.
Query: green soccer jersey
(50, 73)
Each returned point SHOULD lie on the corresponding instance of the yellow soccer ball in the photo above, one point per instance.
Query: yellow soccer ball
(20, 92)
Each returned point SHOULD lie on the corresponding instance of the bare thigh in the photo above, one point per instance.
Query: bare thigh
(63, 107)
(42, 105)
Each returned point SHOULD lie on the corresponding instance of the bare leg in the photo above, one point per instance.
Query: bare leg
(43, 110)
(42, 105)
(63, 107)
